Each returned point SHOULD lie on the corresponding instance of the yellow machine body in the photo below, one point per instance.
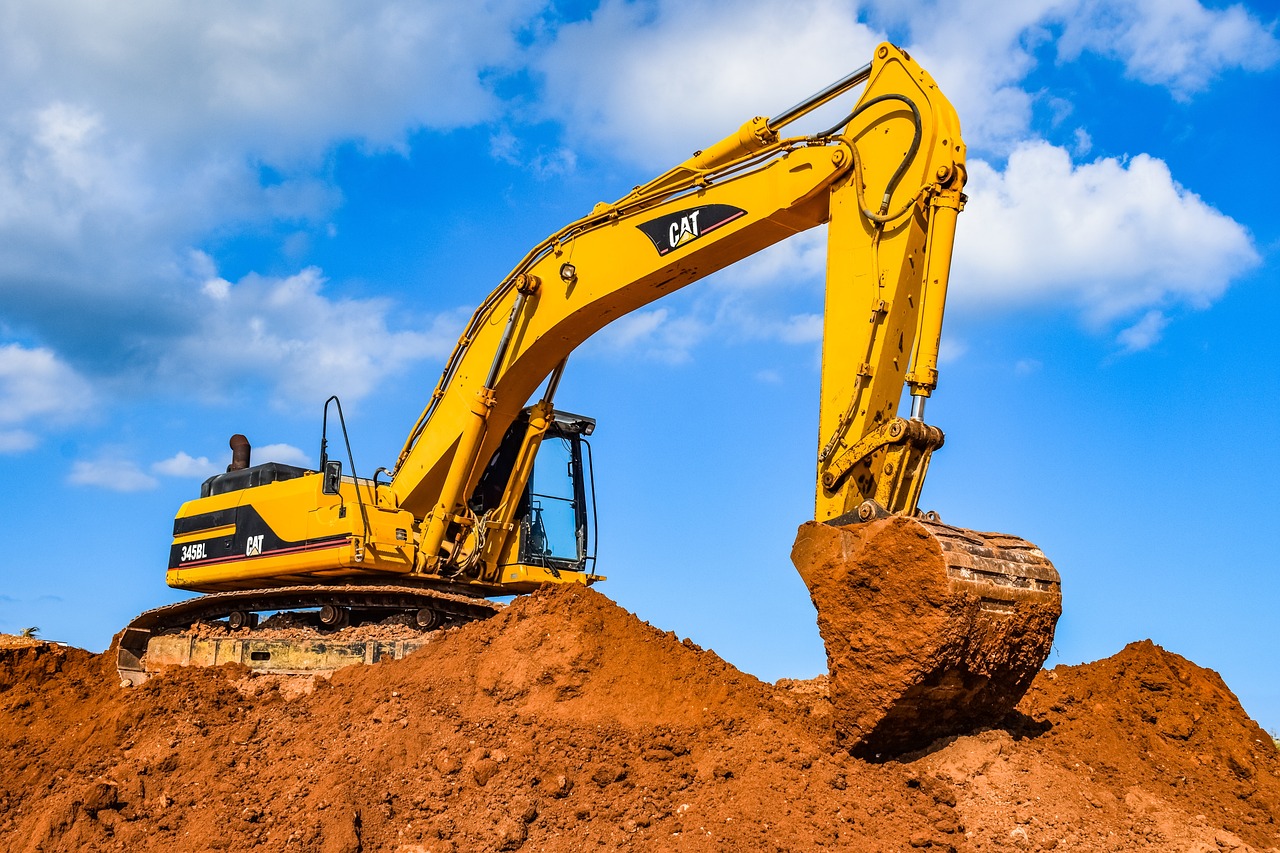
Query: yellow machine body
(291, 532)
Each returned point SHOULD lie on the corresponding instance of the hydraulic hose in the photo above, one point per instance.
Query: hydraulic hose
(883, 216)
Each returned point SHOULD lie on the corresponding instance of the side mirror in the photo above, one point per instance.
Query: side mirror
(332, 478)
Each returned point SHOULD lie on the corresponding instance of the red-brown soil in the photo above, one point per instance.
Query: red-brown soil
(564, 724)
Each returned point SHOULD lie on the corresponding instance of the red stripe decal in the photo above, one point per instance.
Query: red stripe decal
(723, 222)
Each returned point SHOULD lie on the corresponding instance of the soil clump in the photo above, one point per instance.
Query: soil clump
(564, 723)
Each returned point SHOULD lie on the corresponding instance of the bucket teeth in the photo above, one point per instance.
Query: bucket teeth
(996, 567)
(930, 630)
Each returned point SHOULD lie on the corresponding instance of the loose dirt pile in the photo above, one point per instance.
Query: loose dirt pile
(564, 723)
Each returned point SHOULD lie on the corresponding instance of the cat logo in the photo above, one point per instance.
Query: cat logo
(253, 547)
(683, 231)
(684, 226)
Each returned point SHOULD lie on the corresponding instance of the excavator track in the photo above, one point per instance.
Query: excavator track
(931, 630)
(156, 638)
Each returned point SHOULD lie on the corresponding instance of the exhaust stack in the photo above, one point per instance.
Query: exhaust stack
(240, 450)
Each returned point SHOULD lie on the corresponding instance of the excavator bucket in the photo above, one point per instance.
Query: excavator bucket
(930, 630)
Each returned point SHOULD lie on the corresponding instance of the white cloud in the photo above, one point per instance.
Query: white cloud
(658, 334)
(37, 390)
(17, 440)
(209, 119)
(1083, 143)
(127, 136)
(1179, 44)
(556, 163)
(277, 80)
(800, 329)
(655, 81)
(116, 475)
(752, 300)
(1027, 367)
(670, 335)
(1113, 237)
(1175, 43)
(307, 345)
(1110, 240)
(797, 259)
(505, 146)
(1144, 333)
(544, 164)
(286, 453)
(626, 331)
(951, 349)
(183, 464)
(1116, 238)
(981, 73)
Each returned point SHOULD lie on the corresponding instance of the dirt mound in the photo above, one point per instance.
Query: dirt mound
(576, 656)
(914, 653)
(564, 723)
(1147, 717)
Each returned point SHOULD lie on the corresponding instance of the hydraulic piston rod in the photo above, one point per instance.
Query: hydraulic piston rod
(819, 98)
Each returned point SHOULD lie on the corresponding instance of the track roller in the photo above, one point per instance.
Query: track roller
(428, 619)
(238, 619)
(333, 616)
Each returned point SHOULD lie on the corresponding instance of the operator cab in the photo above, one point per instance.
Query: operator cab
(557, 512)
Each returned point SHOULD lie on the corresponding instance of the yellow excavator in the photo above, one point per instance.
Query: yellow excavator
(491, 496)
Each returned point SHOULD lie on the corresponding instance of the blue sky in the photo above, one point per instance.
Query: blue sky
(212, 216)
